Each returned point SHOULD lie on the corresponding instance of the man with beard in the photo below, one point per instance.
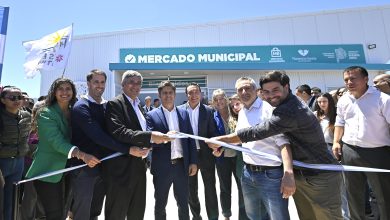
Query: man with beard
(89, 135)
(316, 196)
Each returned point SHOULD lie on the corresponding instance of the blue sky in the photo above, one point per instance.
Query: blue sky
(29, 20)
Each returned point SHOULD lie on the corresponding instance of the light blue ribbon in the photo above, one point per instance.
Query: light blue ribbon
(332, 167)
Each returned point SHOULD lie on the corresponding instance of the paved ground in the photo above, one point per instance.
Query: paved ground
(172, 208)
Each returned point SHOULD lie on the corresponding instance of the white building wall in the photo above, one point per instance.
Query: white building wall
(362, 26)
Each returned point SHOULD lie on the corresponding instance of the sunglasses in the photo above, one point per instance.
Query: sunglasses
(14, 97)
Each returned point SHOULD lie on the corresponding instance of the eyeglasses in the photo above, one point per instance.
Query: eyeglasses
(14, 97)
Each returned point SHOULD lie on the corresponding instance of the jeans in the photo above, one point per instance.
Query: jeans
(262, 190)
(12, 169)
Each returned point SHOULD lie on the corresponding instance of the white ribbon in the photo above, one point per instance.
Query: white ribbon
(332, 167)
(65, 170)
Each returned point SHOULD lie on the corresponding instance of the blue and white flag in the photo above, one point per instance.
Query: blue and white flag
(3, 32)
(48, 53)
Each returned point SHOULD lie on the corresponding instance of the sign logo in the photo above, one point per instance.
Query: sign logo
(341, 54)
(275, 52)
(130, 58)
(303, 52)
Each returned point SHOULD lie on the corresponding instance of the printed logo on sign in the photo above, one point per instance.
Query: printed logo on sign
(130, 58)
(275, 52)
(276, 56)
(303, 52)
(341, 54)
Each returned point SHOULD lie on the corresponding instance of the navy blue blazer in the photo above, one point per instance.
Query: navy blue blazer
(206, 128)
(161, 156)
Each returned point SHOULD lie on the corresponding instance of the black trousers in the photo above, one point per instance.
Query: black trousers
(356, 181)
(210, 194)
(31, 206)
(52, 198)
(126, 201)
(88, 193)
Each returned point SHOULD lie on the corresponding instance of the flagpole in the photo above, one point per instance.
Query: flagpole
(63, 72)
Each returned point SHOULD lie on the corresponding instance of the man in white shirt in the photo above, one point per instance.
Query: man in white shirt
(363, 125)
(125, 176)
(265, 182)
(203, 125)
(173, 162)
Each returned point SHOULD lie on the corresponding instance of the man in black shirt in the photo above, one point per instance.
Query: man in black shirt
(317, 195)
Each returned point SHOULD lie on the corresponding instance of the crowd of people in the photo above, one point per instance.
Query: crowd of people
(349, 126)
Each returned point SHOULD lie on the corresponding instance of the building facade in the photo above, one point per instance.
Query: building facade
(358, 36)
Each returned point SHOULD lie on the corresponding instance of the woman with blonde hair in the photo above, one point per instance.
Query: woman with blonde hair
(227, 163)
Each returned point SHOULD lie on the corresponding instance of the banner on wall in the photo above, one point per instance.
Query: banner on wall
(346, 53)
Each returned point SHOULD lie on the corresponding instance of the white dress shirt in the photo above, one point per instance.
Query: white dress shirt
(140, 116)
(194, 118)
(173, 125)
(257, 113)
(366, 120)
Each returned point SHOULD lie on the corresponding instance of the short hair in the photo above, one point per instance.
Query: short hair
(245, 78)
(304, 88)
(130, 73)
(156, 100)
(96, 72)
(275, 76)
(360, 69)
(148, 97)
(315, 89)
(41, 98)
(193, 84)
(164, 84)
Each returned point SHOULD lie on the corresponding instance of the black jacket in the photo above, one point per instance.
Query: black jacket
(14, 133)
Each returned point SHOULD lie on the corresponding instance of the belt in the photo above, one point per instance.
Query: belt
(176, 160)
(310, 172)
(256, 168)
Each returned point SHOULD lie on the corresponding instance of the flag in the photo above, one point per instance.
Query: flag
(48, 53)
(3, 32)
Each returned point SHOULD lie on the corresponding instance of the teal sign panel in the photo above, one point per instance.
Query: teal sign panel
(338, 53)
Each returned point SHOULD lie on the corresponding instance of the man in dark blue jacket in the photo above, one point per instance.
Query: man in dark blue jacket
(89, 136)
(172, 162)
(203, 124)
